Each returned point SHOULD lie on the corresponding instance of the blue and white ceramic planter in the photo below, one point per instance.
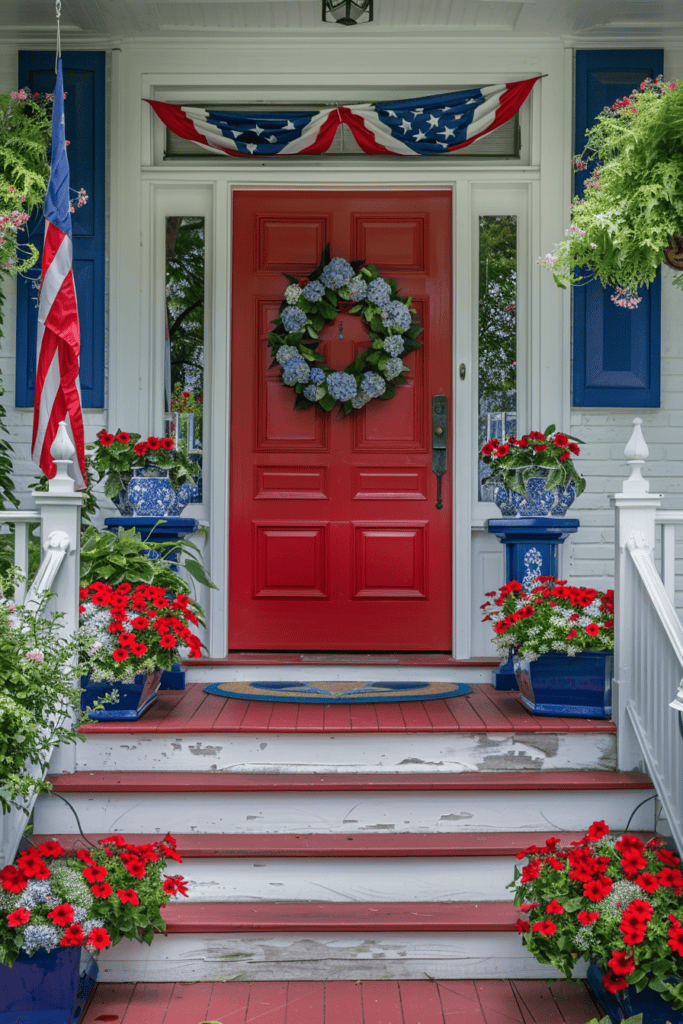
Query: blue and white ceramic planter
(135, 695)
(47, 988)
(538, 501)
(150, 493)
(573, 687)
(619, 1006)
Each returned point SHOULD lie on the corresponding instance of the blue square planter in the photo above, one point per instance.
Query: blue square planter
(620, 1006)
(134, 696)
(47, 988)
(578, 687)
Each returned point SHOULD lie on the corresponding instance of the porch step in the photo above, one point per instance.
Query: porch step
(345, 803)
(285, 941)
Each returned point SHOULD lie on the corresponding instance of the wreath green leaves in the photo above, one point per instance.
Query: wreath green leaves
(311, 303)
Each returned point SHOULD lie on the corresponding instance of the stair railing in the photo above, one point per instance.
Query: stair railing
(648, 640)
(59, 515)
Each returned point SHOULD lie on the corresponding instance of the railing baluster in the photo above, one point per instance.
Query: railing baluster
(668, 534)
(21, 559)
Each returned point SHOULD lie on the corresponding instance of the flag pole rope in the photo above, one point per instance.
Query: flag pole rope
(58, 15)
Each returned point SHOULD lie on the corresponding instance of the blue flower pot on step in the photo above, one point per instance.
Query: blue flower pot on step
(538, 500)
(574, 687)
(47, 988)
(620, 1006)
(135, 695)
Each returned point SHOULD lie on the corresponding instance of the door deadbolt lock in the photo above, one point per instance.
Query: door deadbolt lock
(439, 441)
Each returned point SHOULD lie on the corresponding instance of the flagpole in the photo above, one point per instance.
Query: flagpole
(58, 15)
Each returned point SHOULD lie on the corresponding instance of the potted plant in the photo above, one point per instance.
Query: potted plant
(631, 214)
(561, 639)
(149, 477)
(37, 679)
(58, 908)
(613, 900)
(534, 474)
(126, 636)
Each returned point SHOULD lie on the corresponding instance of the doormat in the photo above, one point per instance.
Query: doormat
(340, 692)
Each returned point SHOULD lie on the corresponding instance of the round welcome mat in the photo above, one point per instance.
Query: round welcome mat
(337, 692)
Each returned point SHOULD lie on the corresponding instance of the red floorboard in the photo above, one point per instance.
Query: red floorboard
(242, 782)
(484, 710)
(342, 1002)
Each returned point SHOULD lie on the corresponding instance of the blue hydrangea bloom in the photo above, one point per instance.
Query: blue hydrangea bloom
(309, 392)
(342, 386)
(372, 384)
(292, 293)
(394, 345)
(395, 314)
(314, 291)
(393, 368)
(379, 292)
(293, 319)
(337, 273)
(296, 372)
(359, 401)
(317, 375)
(287, 352)
(358, 288)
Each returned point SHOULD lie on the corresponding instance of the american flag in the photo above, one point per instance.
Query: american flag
(418, 127)
(58, 394)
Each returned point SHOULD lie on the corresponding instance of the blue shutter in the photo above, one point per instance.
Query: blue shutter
(84, 117)
(616, 351)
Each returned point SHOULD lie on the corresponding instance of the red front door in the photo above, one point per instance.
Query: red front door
(335, 541)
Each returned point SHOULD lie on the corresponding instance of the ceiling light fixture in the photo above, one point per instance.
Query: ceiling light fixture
(348, 12)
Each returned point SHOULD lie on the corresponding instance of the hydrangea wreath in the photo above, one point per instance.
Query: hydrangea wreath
(311, 303)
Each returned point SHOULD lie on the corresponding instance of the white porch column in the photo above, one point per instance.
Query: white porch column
(60, 511)
(635, 510)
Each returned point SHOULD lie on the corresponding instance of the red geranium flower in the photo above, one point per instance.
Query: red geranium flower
(73, 936)
(18, 917)
(102, 890)
(168, 641)
(564, 456)
(612, 984)
(545, 927)
(95, 874)
(540, 447)
(140, 448)
(621, 963)
(168, 444)
(99, 938)
(62, 915)
(154, 443)
(123, 437)
(561, 440)
(128, 896)
(140, 622)
(106, 439)
(502, 450)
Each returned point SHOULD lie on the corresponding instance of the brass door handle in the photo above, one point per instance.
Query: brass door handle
(439, 442)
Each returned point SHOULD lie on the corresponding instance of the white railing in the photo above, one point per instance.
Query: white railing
(648, 663)
(59, 515)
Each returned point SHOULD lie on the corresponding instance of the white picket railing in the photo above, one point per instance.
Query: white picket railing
(59, 515)
(648, 663)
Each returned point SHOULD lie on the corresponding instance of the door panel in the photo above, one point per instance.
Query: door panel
(335, 541)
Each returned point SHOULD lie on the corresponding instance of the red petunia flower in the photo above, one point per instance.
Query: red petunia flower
(128, 896)
(671, 878)
(586, 917)
(119, 654)
(592, 629)
(73, 936)
(51, 849)
(62, 915)
(531, 871)
(116, 840)
(18, 917)
(667, 857)
(84, 856)
(168, 444)
(598, 888)
(175, 885)
(629, 842)
(123, 437)
(522, 926)
(102, 890)
(99, 938)
(95, 874)
(545, 927)
(647, 882)
(168, 641)
(621, 963)
(12, 879)
(612, 984)
(140, 622)
(639, 911)
(554, 908)
(675, 940)
(598, 830)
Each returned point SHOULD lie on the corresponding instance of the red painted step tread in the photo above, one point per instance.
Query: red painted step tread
(399, 844)
(484, 710)
(339, 917)
(239, 782)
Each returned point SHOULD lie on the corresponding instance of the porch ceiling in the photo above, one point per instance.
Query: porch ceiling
(619, 19)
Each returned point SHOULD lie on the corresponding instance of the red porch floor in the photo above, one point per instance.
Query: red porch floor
(343, 1002)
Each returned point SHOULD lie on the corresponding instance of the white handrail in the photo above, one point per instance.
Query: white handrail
(21, 519)
(667, 520)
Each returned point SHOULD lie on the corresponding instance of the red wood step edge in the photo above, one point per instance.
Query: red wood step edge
(400, 844)
(339, 917)
(240, 782)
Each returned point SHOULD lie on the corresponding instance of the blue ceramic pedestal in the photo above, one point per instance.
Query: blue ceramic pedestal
(620, 1006)
(531, 550)
(47, 988)
(172, 528)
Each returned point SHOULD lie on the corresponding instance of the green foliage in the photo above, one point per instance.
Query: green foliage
(547, 454)
(115, 456)
(185, 260)
(37, 696)
(497, 314)
(638, 1019)
(633, 199)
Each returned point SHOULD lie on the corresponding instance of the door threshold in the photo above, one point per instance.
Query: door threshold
(337, 658)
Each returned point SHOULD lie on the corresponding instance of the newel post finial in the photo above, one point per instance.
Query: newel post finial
(636, 451)
(62, 451)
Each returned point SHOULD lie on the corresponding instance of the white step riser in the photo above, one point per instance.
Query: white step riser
(333, 812)
(379, 752)
(323, 956)
(346, 880)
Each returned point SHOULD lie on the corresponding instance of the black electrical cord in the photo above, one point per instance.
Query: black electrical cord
(645, 801)
(73, 811)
